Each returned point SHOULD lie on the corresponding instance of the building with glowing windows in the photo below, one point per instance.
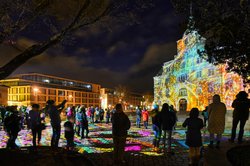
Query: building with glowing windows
(109, 99)
(189, 81)
(3, 95)
(25, 89)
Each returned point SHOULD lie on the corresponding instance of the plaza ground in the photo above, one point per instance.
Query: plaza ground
(139, 150)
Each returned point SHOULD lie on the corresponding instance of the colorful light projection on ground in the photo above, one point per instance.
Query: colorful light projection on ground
(189, 81)
(139, 140)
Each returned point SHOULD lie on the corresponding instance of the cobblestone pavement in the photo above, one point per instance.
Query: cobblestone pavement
(99, 147)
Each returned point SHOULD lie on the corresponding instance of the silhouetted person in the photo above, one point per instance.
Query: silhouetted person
(205, 116)
(3, 111)
(216, 122)
(138, 117)
(82, 121)
(168, 120)
(108, 115)
(145, 116)
(156, 126)
(55, 120)
(35, 123)
(241, 107)
(193, 135)
(120, 127)
(69, 132)
(12, 126)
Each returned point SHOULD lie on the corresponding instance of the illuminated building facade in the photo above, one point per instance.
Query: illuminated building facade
(189, 81)
(25, 89)
(3, 95)
(130, 101)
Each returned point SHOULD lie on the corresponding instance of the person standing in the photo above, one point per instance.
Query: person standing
(216, 121)
(35, 124)
(138, 117)
(205, 116)
(83, 123)
(55, 120)
(145, 117)
(12, 126)
(69, 132)
(92, 114)
(168, 120)
(193, 135)
(107, 115)
(241, 107)
(120, 127)
(101, 115)
(156, 126)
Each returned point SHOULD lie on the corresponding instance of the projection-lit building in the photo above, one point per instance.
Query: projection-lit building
(25, 89)
(189, 81)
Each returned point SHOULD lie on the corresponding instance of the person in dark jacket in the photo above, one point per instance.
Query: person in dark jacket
(55, 120)
(138, 116)
(241, 107)
(205, 116)
(107, 115)
(193, 135)
(156, 126)
(12, 126)
(83, 122)
(69, 132)
(168, 120)
(35, 123)
(120, 127)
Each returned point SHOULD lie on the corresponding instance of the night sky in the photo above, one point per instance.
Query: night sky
(129, 55)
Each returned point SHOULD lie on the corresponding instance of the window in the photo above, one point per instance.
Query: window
(183, 78)
(199, 90)
(210, 87)
(22, 90)
(198, 74)
(210, 72)
(52, 92)
(183, 92)
(22, 98)
(61, 93)
(199, 60)
(78, 94)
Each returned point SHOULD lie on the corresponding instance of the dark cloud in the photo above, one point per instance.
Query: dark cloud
(110, 54)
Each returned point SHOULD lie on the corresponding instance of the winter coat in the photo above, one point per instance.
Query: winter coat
(193, 134)
(120, 124)
(35, 119)
(241, 109)
(216, 122)
(54, 115)
(156, 119)
(167, 120)
(69, 130)
(145, 115)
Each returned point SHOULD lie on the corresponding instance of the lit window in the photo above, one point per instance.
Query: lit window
(198, 74)
(183, 92)
(210, 72)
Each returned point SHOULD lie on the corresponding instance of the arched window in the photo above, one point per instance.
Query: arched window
(183, 92)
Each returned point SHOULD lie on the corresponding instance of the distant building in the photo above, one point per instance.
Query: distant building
(189, 81)
(3, 95)
(26, 89)
(109, 99)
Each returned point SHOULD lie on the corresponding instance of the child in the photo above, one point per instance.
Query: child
(69, 132)
(193, 135)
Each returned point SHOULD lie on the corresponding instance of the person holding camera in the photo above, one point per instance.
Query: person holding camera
(55, 120)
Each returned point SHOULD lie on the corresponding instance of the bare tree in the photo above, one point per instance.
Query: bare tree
(62, 17)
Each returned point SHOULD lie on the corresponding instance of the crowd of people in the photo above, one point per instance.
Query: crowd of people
(163, 124)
